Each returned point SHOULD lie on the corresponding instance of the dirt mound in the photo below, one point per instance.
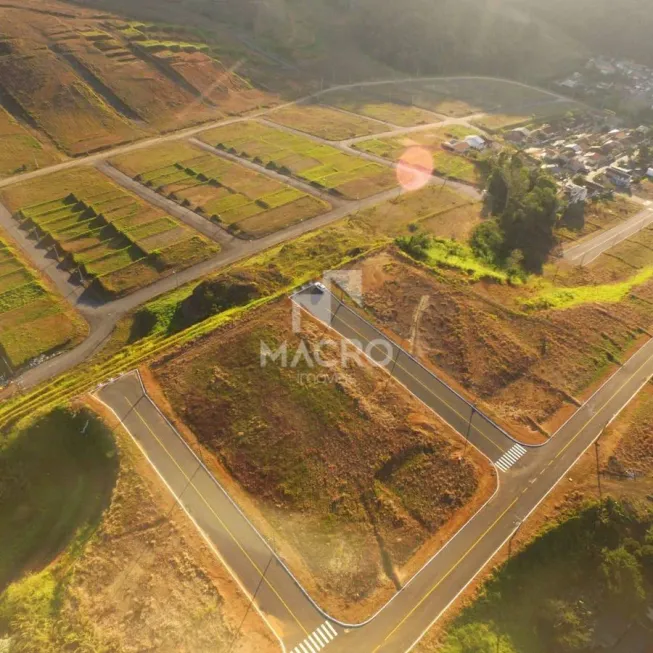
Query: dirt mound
(230, 289)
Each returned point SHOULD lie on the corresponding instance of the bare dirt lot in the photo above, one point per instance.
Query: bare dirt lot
(352, 480)
(529, 369)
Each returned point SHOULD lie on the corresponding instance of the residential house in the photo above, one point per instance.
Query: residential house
(519, 135)
(476, 142)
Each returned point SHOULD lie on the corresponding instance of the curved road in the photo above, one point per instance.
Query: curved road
(298, 621)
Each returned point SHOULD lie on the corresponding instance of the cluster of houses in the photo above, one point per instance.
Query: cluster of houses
(586, 147)
(603, 75)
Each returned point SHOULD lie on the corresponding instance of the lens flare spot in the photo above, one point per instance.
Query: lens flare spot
(415, 168)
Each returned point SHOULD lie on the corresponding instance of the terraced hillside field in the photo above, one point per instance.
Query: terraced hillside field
(355, 482)
(444, 162)
(146, 91)
(33, 320)
(196, 65)
(115, 239)
(321, 165)
(245, 202)
(60, 103)
(325, 122)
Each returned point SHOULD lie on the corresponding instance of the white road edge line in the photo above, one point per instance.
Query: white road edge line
(526, 517)
(247, 594)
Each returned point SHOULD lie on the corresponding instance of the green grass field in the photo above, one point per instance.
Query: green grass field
(321, 165)
(245, 202)
(444, 163)
(114, 238)
(56, 475)
(33, 320)
(325, 122)
(385, 105)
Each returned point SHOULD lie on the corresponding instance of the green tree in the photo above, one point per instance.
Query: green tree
(487, 241)
(565, 627)
(621, 580)
(497, 191)
(477, 638)
(416, 246)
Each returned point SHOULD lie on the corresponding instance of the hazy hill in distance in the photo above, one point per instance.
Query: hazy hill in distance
(523, 39)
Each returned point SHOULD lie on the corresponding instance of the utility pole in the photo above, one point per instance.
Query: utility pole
(469, 428)
(598, 470)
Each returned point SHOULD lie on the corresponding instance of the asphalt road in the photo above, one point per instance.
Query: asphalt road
(591, 248)
(403, 620)
(473, 425)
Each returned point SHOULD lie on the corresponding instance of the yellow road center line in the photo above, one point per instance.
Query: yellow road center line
(453, 568)
(231, 535)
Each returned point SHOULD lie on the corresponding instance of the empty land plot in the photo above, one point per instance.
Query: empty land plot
(321, 165)
(61, 104)
(141, 87)
(441, 103)
(340, 474)
(325, 122)
(444, 162)
(244, 201)
(114, 238)
(33, 319)
(523, 368)
(19, 150)
(389, 106)
(436, 209)
(496, 122)
(486, 94)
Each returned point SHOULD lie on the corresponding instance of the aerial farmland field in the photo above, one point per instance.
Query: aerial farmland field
(325, 123)
(245, 202)
(385, 104)
(61, 104)
(114, 238)
(321, 165)
(20, 151)
(33, 320)
(444, 162)
(152, 96)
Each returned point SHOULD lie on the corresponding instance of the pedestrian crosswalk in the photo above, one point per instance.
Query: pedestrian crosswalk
(317, 640)
(510, 457)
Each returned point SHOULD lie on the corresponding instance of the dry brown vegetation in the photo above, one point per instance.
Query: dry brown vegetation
(87, 81)
(353, 480)
(527, 369)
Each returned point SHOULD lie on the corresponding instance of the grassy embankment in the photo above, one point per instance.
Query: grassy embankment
(587, 574)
